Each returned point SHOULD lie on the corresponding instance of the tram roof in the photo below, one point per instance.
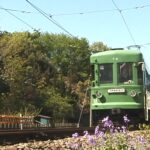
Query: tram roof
(116, 56)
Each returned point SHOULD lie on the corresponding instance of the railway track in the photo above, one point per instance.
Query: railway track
(16, 129)
(12, 136)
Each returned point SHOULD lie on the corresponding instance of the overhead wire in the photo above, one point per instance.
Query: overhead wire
(145, 44)
(82, 12)
(15, 10)
(19, 19)
(136, 7)
(101, 11)
(126, 25)
(49, 17)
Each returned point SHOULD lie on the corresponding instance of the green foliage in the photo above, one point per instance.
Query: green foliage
(29, 110)
(98, 47)
(144, 126)
(57, 105)
(26, 69)
(45, 71)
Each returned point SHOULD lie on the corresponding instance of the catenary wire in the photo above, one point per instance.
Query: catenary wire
(82, 12)
(127, 27)
(15, 10)
(20, 19)
(74, 13)
(101, 11)
(145, 44)
(49, 18)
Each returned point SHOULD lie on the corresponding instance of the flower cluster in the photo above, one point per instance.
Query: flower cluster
(126, 120)
(109, 137)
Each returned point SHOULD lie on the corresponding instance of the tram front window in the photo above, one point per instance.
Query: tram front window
(106, 73)
(125, 72)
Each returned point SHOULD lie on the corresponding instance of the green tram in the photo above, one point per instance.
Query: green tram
(117, 85)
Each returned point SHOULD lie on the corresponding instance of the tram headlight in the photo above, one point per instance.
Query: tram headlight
(133, 93)
(99, 95)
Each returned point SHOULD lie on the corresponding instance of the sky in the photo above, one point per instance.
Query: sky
(116, 23)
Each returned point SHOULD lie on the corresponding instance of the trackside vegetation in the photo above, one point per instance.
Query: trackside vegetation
(44, 73)
(111, 137)
(106, 137)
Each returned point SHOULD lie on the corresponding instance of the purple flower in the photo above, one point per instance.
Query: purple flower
(115, 130)
(126, 120)
(97, 130)
(141, 139)
(74, 146)
(91, 140)
(105, 119)
(112, 130)
(124, 129)
(101, 134)
(75, 135)
(86, 133)
(118, 128)
(107, 122)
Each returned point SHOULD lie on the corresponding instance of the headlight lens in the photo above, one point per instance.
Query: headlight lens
(133, 93)
(99, 95)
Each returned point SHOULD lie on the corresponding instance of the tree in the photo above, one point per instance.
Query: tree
(26, 69)
(98, 47)
(42, 70)
(56, 105)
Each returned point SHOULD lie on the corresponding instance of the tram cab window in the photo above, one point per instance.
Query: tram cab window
(125, 72)
(106, 73)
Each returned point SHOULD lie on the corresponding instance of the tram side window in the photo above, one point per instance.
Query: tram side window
(106, 73)
(147, 81)
(140, 74)
(125, 72)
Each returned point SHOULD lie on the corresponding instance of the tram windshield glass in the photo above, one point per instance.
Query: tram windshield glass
(106, 73)
(125, 72)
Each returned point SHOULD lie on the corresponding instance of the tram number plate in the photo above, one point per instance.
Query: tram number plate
(122, 90)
